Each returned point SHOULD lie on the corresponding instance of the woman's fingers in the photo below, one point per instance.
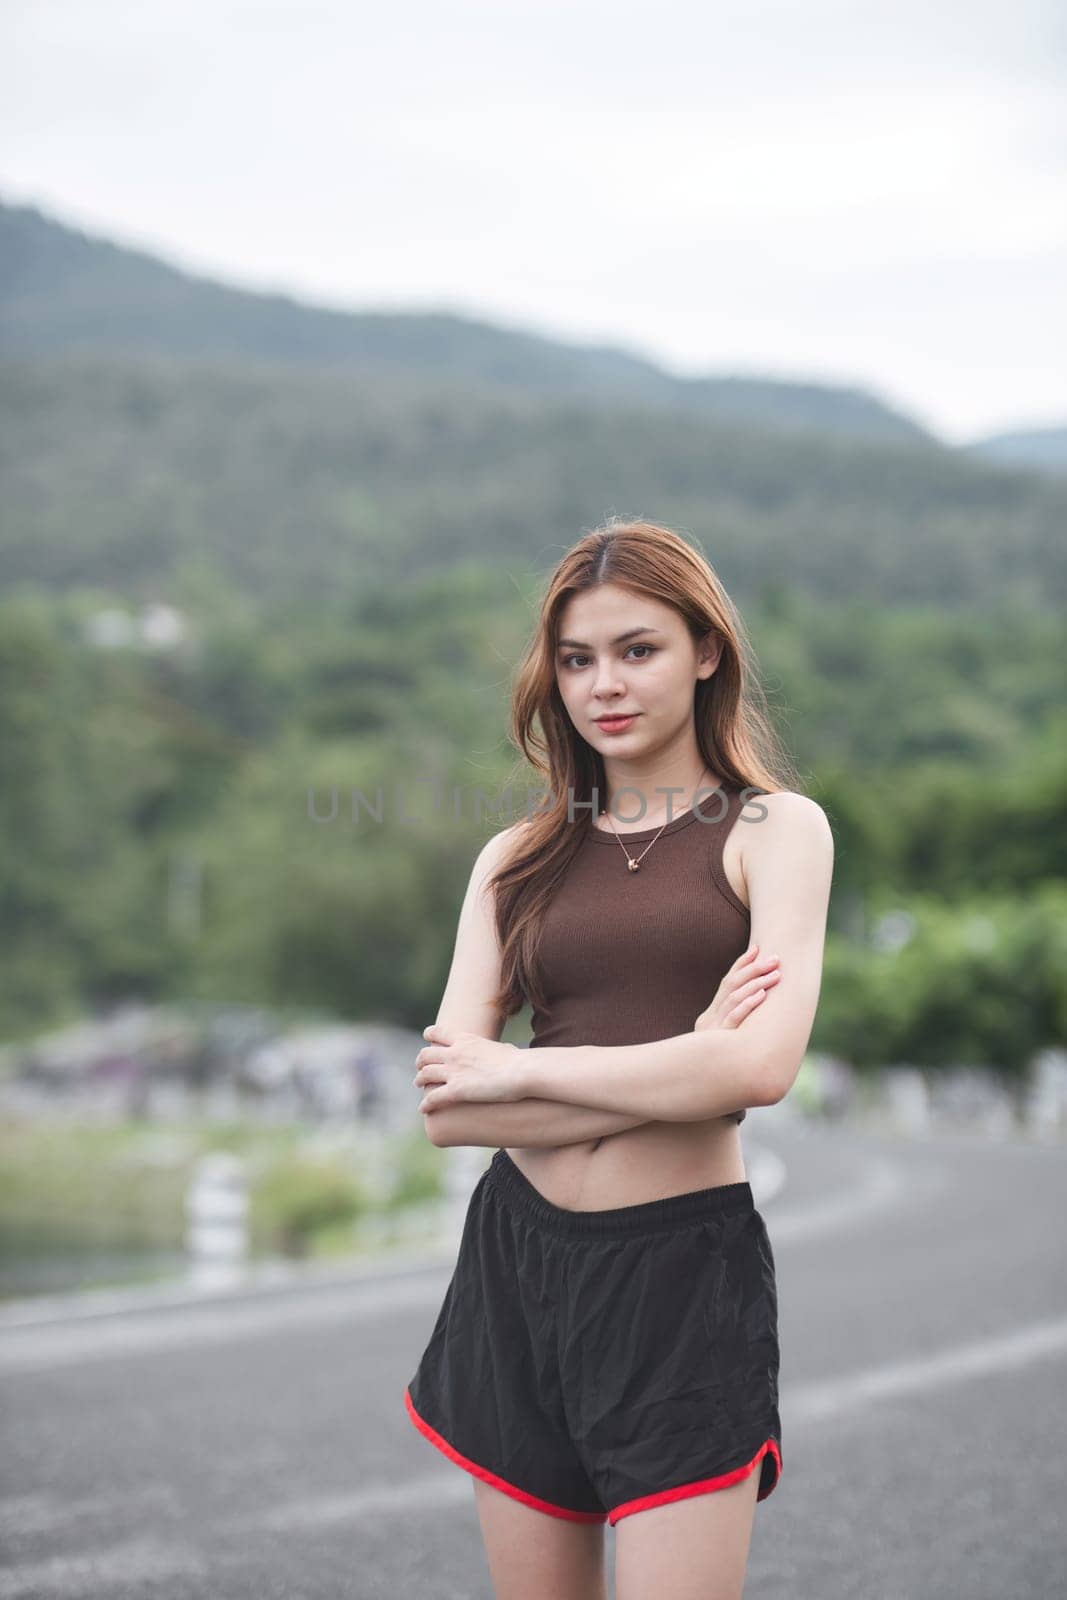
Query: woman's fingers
(741, 990)
(749, 973)
(758, 981)
(746, 967)
(744, 1007)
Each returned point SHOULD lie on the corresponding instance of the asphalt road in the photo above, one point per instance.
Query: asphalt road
(258, 1446)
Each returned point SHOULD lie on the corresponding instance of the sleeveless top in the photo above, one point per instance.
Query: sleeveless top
(631, 957)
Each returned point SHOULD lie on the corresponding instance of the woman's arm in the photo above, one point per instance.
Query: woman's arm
(695, 1076)
(523, 1123)
(473, 978)
(691, 1077)
(709, 1073)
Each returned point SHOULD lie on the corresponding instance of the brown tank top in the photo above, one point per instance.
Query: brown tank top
(630, 957)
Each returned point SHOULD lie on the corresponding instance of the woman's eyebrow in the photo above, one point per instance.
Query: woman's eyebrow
(577, 644)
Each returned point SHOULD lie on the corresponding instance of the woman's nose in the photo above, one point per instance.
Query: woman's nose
(608, 683)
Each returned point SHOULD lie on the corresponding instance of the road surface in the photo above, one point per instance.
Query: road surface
(258, 1447)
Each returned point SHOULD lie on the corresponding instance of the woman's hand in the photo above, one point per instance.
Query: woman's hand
(466, 1067)
(741, 990)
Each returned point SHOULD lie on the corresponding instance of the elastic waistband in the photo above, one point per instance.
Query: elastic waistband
(696, 1205)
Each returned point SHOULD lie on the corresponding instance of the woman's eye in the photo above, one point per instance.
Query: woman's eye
(651, 649)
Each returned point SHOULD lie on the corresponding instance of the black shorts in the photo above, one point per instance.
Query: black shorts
(594, 1363)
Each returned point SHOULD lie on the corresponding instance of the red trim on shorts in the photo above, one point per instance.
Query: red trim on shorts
(705, 1485)
(491, 1477)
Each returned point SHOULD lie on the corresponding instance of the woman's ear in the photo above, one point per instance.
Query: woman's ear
(708, 652)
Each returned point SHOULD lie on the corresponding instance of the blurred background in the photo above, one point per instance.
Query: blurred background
(323, 336)
(324, 331)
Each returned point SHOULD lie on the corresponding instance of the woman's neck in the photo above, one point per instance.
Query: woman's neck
(665, 794)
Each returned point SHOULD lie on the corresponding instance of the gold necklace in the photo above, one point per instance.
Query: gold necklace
(633, 862)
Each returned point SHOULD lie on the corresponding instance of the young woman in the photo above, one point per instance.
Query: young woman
(607, 1350)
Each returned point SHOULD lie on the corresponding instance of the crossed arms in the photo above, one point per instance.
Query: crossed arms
(592, 1091)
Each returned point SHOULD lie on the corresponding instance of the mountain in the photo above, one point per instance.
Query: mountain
(1040, 449)
(65, 291)
(161, 434)
(298, 484)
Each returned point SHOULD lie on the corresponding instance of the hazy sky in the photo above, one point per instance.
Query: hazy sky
(871, 193)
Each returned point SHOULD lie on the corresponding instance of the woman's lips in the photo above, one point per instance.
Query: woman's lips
(616, 724)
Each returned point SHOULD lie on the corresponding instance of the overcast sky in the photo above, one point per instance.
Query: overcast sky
(872, 193)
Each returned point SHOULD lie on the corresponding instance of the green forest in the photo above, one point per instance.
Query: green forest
(353, 557)
(933, 739)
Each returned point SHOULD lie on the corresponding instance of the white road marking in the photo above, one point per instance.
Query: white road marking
(134, 1561)
(33, 1515)
(802, 1405)
(920, 1375)
(885, 1186)
(29, 1350)
(36, 1348)
(264, 1281)
(380, 1499)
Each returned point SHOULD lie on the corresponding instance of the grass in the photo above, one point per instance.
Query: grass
(75, 1194)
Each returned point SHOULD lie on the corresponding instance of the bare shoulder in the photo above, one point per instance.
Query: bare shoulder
(787, 825)
(790, 811)
(517, 832)
(500, 846)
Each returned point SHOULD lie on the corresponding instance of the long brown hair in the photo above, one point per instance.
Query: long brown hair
(733, 729)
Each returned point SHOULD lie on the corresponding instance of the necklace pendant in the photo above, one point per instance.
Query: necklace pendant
(633, 865)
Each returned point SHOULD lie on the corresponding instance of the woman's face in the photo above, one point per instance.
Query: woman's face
(620, 652)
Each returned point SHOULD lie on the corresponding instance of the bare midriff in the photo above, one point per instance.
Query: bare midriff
(649, 1162)
(653, 1160)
